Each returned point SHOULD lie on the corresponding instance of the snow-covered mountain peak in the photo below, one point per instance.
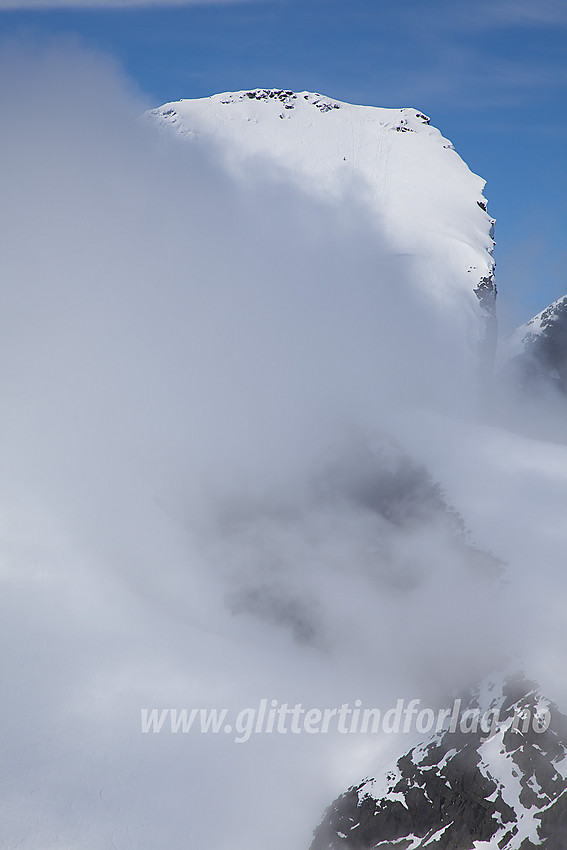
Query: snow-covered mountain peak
(423, 200)
(525, 335)
(533, 358)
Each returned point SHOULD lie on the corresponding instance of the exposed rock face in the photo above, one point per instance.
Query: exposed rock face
(500, 785)
(486, 292)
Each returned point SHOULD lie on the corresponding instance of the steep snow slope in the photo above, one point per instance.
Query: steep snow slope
(423, 196)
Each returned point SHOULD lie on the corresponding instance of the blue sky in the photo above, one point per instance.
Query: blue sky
(492, 76)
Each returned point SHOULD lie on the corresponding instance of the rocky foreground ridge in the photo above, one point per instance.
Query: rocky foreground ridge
(500, 786)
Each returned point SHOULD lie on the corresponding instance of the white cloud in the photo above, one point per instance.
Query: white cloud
(504, 13)
(184, 360)
(14, 5)
(182, 357)
(528, 12)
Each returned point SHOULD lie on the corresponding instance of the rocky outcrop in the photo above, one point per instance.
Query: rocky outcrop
(486, 292)
(503, 782)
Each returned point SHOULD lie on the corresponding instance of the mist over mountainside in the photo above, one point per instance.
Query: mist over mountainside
(532, 373)
(242, 457)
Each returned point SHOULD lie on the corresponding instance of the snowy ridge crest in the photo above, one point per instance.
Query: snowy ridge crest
(402, 120)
